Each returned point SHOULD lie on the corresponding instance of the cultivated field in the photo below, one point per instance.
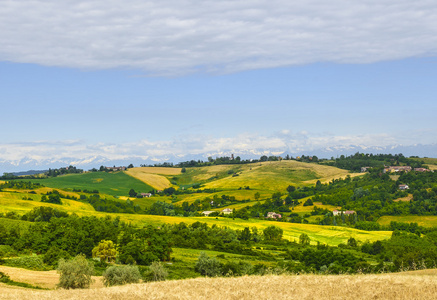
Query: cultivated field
(411, 285)
(276, 176)
(426, 221)
(116, 184)
(152, 177)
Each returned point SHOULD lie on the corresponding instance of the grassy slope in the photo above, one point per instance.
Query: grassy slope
(426, 221)
(381, 286)
(116, 184)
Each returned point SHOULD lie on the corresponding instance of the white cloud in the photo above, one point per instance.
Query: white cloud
(79, 152)
(189, 36)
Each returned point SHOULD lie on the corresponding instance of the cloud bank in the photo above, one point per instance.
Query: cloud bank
(80, 153)
(190, 36)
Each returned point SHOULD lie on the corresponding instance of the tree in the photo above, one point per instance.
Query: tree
(273, 233)
(208, 266)
(119, 275)
(304, 239)
(105, 251)
(257, 195)
(75, 273)
(291, 188)
(157, 272)
(132, 193)
(183, 170)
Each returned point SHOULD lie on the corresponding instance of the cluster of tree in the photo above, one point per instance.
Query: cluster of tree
(25, 185)
(63, 171)
(355, 162)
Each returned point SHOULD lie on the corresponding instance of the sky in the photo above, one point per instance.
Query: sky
(83, 79)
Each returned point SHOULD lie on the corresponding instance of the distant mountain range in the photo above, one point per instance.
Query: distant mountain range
(87, 163)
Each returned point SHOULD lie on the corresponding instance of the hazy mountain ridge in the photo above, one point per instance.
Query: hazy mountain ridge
(28, 163)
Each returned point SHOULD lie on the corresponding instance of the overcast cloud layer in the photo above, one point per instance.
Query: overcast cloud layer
(183, 37)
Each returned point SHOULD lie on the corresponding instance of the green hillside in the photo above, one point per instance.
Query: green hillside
(116, 184)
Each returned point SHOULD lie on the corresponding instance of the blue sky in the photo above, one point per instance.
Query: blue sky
(87, 78)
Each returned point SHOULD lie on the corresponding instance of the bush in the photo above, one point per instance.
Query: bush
(27, 262)
(119, 275)
(156, 272)
(208, 266)
(75, 273)
(7, 251)
(52, 256)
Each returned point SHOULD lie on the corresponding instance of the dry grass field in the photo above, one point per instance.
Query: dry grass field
(273, 176)
(411, 285)
(43, 279)
(404, 199)
(154, 180)
(157, 170)
(426, 221)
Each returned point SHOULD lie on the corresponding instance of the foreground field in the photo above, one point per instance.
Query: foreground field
(415, 285)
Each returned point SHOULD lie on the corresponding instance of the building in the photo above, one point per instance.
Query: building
(114, 169)
(273, 215)
(397, 169)
(227, 211)
(344, 212)
(207, 212)
(146, 195)
(422, 170)
(403, 187)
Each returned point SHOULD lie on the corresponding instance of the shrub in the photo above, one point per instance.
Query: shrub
(52, 256)
(119, 275)
(27, 262)
(208, 266)
(7, 251)
(75, 273)
(156, 272)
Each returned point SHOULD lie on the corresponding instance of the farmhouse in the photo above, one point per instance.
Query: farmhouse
(227, 211)
(397, 169)
(273, 215)
(146, 195)
(207, 212)
(403, 187)
(422, 170)
(345, 212)
(114, 168)
(365, 169)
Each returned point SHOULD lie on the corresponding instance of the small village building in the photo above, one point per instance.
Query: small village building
(403, 187)
(146, 195)
(397, 169)
(207, 212)
(422, 170)
(227, 211)
(273, 215)
(344, 212)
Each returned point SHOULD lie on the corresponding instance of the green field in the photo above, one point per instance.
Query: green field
(116, 184)
(425, 221)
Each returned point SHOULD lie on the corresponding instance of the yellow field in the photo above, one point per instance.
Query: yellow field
(156, 181)
(156, 170)
(11, 202)
(43, 279)
(381, 286)
(404, 199)
(426, 221)
(275, 176)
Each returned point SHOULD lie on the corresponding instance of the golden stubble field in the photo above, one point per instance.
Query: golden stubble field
(410, 285)
(153, 176)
